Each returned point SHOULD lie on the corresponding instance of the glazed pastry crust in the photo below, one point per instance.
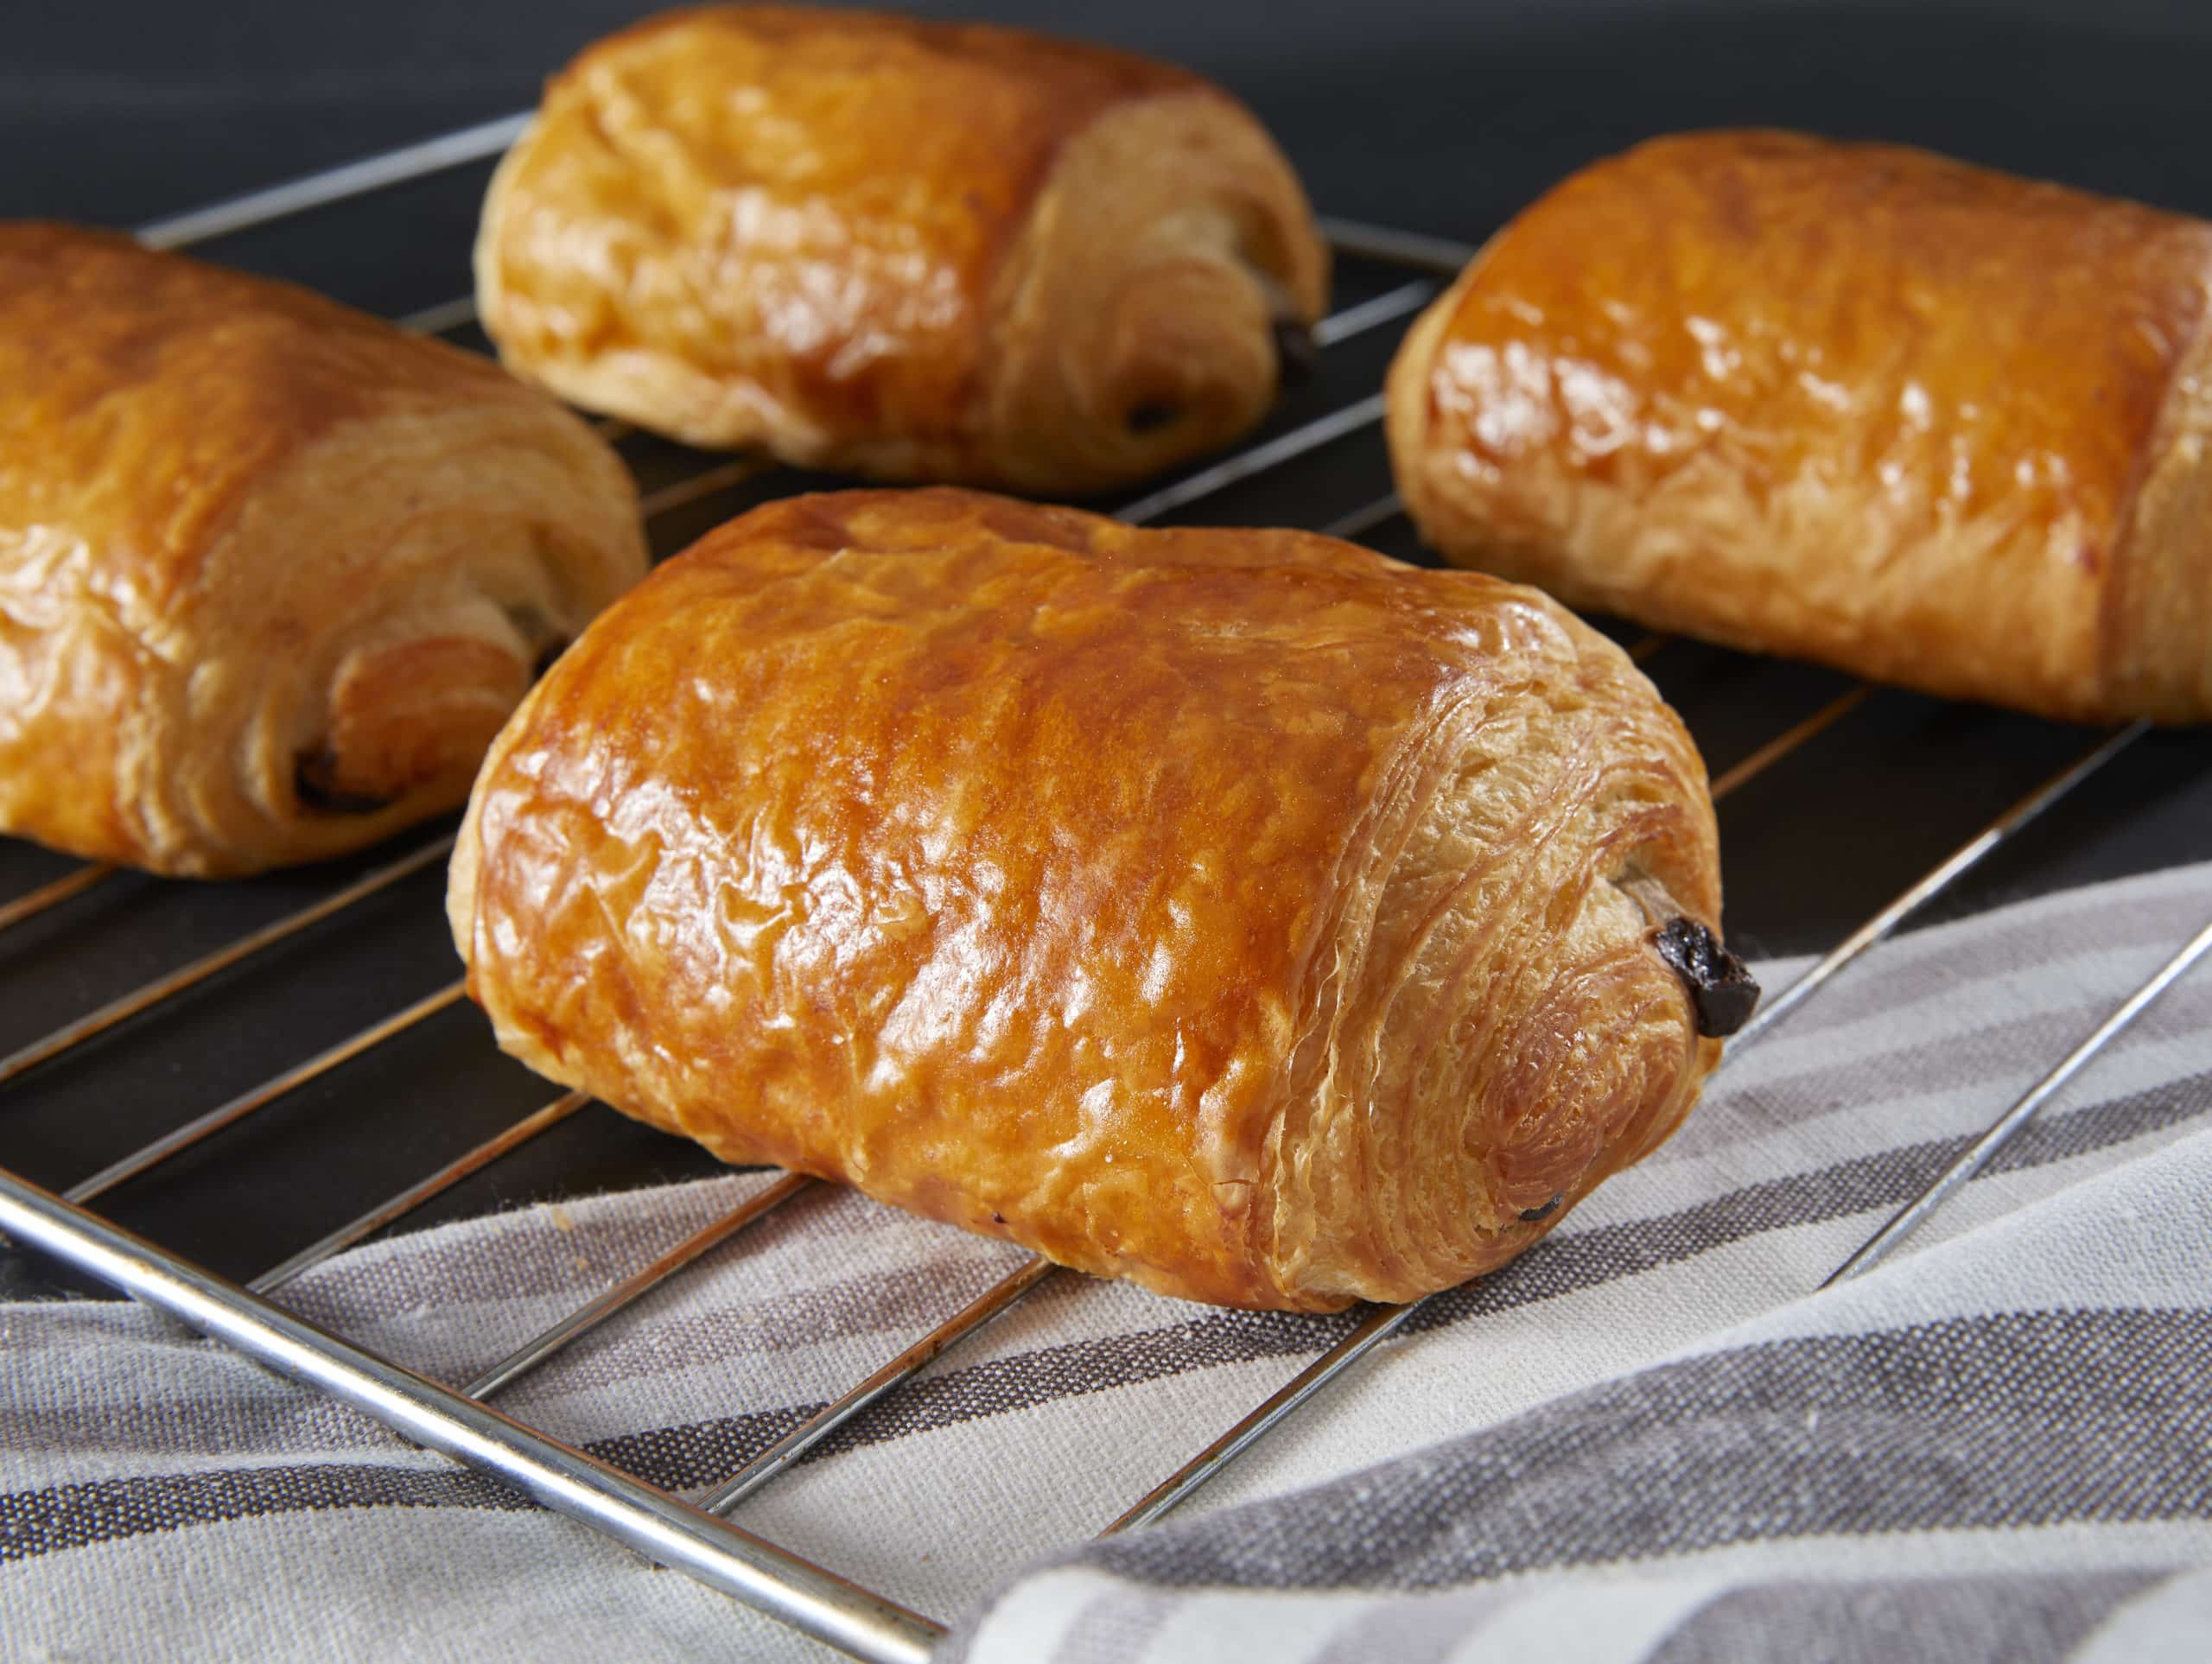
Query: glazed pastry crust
(1858, 403)
(1237, 911)
(251, 543)
(911, 250)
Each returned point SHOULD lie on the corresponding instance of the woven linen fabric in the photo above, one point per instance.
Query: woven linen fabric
(1653, 1436)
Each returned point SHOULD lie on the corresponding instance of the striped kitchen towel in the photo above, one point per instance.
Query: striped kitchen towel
(1653, 1436)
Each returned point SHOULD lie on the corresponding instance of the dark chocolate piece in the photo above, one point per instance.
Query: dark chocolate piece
(1720, 984)
(1297, 356)
(1152, 415)
(316, 789)
(1529, 1215)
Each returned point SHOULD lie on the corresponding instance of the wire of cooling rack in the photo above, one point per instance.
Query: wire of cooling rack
(692, 1537)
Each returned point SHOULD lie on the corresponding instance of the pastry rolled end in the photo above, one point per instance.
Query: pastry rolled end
(1503, 1082)
(1237, 913)
(509, 541)
(1163, 293)
(478, 543)
(412, 717)
(911, 250)
(272, 574)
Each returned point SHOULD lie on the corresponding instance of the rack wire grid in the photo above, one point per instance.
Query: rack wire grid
(1318, 463)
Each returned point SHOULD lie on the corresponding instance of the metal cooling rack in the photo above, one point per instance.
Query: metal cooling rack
(691, 1534)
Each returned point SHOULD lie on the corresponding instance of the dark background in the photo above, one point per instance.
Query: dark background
(1439, 116)
(1432, 117)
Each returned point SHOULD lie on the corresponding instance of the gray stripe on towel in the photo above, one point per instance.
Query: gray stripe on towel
(2003, 1422)
(2029, 1618)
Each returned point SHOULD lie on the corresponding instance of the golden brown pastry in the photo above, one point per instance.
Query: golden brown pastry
(272, 574)
(1850, 403)
(1237, 911)
(915, 251)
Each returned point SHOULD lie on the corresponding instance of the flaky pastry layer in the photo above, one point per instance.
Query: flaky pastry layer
(272, 574)
(1237, 911)
(916, 251)
(1853, 402)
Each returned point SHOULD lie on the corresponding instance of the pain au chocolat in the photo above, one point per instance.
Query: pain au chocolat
(1239, 913)
(915, 251)
(1853, 402)
(272, 574)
